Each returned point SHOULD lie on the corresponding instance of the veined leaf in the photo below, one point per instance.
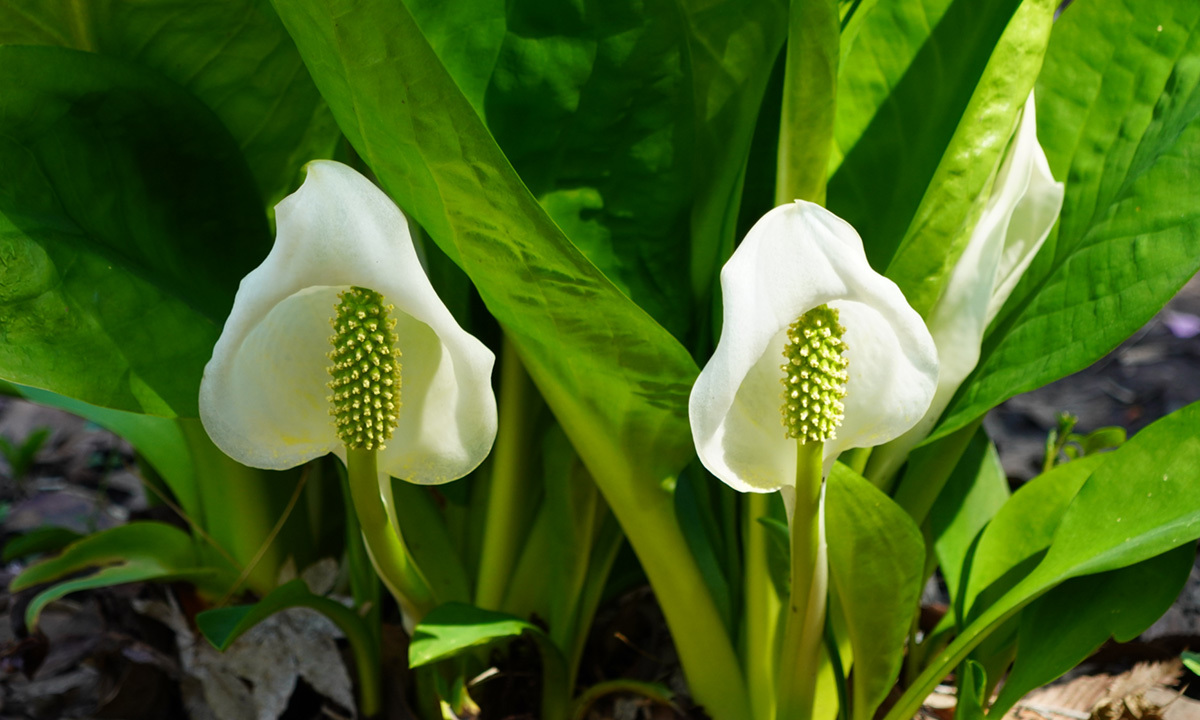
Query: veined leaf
(616, 380)
(127, 219)
(1066, 625)
(1119, 118)
(1143, 501)
(234, 55)
(876, 563)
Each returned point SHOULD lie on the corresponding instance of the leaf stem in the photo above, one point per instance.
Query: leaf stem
(512, 485)
(804, 627)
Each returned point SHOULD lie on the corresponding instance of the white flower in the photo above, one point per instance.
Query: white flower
(264, 398)
(1020, 212)
(797, 258)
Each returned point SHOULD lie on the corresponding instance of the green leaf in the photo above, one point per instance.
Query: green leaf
(975, 492)
(732, 46)
(427, 538)
(157, 439)
(233, 55)
(972, 692)
(45, 539)
(876, 564)
(960, 187)
(809, 101)
(909, 71)
(1119, 119)
(617, 381)
(1191, 661)
(127, 219)
(1020, 533)
(594, 111)
(1066, 625)
(128, 553)
(454, 628)
(1143, 501)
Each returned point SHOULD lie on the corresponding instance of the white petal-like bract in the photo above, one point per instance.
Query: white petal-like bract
(264, 396)
(797, 257)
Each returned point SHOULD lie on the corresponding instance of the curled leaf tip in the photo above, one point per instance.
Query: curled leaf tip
(814, 376)
(365, 370)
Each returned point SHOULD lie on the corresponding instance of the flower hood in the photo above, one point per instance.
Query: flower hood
(796, 258)
(264, 395)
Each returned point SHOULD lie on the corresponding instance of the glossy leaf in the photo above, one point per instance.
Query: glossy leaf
(454, 628)
(127, 219)
(233, 55)
(732, 46)
(1019, 534)
(1119, 119)
(135, 552)
(592, 105)
(616, 380)
(1143, 501)
(1066, 625)
(972, 692)
(962, 183)
(975, 493)
(876, 564)
(909, 71)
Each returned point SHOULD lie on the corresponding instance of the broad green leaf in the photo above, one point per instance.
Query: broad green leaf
(592, 105)
(45, 539)
(876, 564)
(1066, 625)
(233, 55)
(976, 491)
(128, 553)
(1119, 119)
(1019, 534)
(157, 439)
(454, 628)
(426, 537)
(1143, 501)
(616, 380)
(959, 189)
(908, 72)
(127, 219)
(732, 47)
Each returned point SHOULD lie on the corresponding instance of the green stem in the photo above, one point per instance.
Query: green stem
(809, 101)
(647, 514)
(804, 628)
(929, 467)
(512, 485)
(384, 545)
(762, 609)
(364, 643)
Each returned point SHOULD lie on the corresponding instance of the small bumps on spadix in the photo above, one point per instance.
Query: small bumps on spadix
(814, 376)
(365, 370)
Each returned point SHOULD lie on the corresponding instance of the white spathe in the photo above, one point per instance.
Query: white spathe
(797, 257)
(1020, 212)
(264, 395)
